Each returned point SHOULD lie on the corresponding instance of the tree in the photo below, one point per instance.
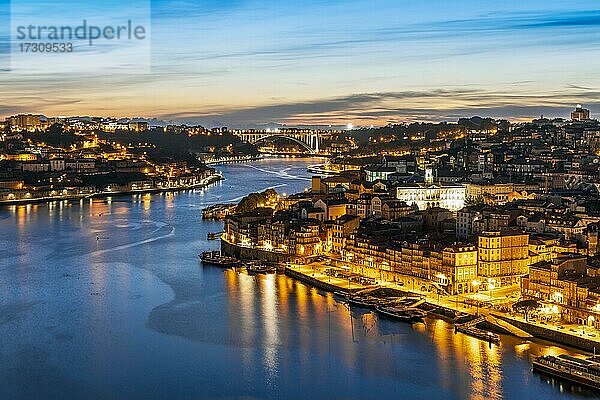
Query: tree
(526, 306)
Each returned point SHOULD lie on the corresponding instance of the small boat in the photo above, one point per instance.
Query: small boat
(215, 258)
(576, 370)
(400, 313)
(477, 333)
(260, 269)
(363, 301)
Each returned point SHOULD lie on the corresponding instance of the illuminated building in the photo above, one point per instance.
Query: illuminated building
(449, 196)
(580, 114)
(455, 268)
(503, 256)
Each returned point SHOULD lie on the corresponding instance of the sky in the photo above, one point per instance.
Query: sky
(251, 63)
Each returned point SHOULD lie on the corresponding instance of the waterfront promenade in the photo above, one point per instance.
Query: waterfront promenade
(75, 195)
(577, 336)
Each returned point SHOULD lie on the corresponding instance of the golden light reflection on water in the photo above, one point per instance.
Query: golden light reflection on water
(146, 203)
(477, 359)
(464, 365)
(270, 324)
(247, 317)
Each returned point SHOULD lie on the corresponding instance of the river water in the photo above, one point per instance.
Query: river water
(106, 299)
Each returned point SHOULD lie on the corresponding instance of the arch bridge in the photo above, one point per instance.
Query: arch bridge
(311, 141)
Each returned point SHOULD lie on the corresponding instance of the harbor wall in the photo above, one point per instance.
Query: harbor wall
(552, 335)
(315, 282)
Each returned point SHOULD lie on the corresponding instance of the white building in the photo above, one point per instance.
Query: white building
(378, 172)
(449, 196)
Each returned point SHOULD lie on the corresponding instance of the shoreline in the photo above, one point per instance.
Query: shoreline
(216, 177)
(508, 325)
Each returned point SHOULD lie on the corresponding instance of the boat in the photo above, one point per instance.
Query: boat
(342, 294)
(477, 333)
(576, 370)
(400, 313)
(260, 269)
(364, 301)
(213, 235)
(216, 258)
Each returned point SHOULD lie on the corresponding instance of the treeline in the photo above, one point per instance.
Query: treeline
(256, 200)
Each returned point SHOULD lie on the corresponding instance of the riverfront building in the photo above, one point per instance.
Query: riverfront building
(570, 283)
(502, 257)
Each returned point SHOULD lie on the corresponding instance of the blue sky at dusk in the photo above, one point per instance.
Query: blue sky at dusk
(242, 63)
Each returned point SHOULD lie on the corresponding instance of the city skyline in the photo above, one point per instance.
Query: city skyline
(247, 63)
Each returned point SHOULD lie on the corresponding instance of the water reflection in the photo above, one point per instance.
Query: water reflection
(261, 305)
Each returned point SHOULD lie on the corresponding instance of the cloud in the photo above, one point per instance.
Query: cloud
(387, 107)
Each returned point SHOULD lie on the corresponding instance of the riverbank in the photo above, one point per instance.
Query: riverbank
(216, 177)
(231, 160)
(447, 310)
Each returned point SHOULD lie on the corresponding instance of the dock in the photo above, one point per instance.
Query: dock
(513, 330)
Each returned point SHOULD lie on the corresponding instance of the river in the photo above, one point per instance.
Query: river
(106, 299)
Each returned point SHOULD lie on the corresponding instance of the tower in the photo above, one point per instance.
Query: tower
(429, 175)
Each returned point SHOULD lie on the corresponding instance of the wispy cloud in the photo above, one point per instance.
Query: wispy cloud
(392, 107)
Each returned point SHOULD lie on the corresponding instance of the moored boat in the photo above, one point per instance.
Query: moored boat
(360, 301)
(260, 269)
(478, 333)
(216, 258)
(400, 313)
(576, 370)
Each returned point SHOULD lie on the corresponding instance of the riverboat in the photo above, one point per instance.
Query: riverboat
(478, 333)
(216, 258)
(260, 269)
(576, 370)
(404, 314)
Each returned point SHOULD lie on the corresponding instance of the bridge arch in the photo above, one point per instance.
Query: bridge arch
(293, 139)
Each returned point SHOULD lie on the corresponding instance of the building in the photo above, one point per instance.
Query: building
(333, 208)
(35, 166)
(570, 283)
(392, 209)
(57, 164)
(497, 193)
(580, 114)
(80, 165)
(19, 157)
(473, 220)
(424, 196)
(437, 219)
(340, 230)
(549, 280)
(26, 122)
(503, 257)
(378, 172)
(138, 126)
(455, 268)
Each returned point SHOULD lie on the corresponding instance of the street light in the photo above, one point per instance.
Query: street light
(491, 286)
(476, 284)
(442, 279)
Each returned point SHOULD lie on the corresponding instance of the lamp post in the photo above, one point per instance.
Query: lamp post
(491, 286)
(476, 284)
(442, 279)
